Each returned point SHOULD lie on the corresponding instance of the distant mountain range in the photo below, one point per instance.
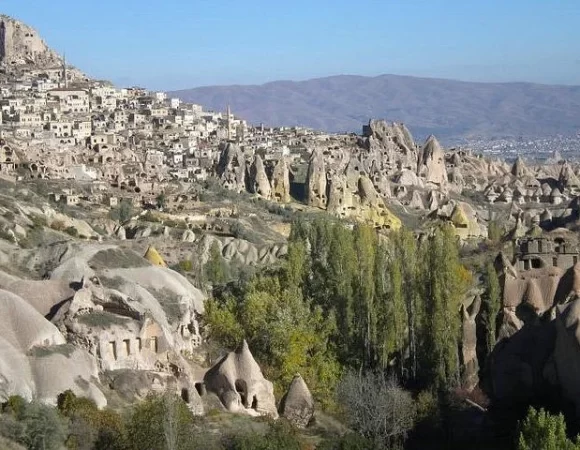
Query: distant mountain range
(450, 109)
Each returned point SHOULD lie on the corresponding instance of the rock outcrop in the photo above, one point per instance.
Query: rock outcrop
(238, 382)
(297, 405)
(258, 181)
(316, 181)
(281, 181)
(432, 162)
(231, 168)
(20, 44)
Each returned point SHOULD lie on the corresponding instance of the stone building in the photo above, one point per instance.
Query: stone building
(538, 252)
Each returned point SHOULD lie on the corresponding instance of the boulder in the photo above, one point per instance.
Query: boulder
(297, 405)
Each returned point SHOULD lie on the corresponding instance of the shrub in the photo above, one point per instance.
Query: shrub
(541, 430)
(45, 429)
(161, 422)
(186, 265)
(280, 436)
(38, 221)
(377, 408)
(72, 231)
(58, 225)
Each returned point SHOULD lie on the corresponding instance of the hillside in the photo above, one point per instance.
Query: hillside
(447, 108)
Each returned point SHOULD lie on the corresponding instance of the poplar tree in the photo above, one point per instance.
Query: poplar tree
(492, 303)
(406, 254)
(446, 282)
(365, 314)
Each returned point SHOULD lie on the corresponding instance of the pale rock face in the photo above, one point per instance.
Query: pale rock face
(20, 44)
(34, 360)
(393, 143)
(297, 405)
(281, 182)
(519, 169)
(408, 178)
(340, 198)
(238, 382)
(470, 310)
(432, 162)
(316, 181)
(568, 178)
(188, 236)
(231, 168)
(258, 181)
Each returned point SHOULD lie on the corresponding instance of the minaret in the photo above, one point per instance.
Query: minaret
(64, 72)
(229, 123)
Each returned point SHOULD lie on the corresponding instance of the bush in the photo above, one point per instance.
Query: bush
(123, 212)
(58, 225)
(91, 428)
(377, 408)
(541, 430)
(161, 422)
(45, 429)
(186, 265)
(38, 221)
(280, 436)
(72, 231)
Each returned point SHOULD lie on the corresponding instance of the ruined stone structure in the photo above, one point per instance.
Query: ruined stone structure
(540, 252)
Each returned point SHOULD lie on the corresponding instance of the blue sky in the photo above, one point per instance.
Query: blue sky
(172, 44)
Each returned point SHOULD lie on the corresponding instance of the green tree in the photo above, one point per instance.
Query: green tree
(492, 302)
(494, 232)
(340, 282)
(365, 313)
(91, 428)
(216, 268)
(287, 333)
(221, 318)
(161, 200)
(446, 282)
(406, 253)
(541, 430)
(161, 423)
(123, 212)
(44, 428)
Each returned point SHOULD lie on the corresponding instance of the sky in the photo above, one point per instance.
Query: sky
(179, 44)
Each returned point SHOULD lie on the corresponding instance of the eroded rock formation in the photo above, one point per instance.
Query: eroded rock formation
(238, 382)
(297, 405)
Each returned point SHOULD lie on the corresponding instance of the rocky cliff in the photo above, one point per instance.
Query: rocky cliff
(20, 44)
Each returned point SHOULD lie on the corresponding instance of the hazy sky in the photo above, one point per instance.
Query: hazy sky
(171, 44)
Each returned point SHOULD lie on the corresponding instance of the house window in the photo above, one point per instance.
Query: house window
(555, 261)
(127, 343)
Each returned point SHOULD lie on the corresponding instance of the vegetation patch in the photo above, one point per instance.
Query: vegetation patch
(116, 258)
(43, 352)
(102, 319)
